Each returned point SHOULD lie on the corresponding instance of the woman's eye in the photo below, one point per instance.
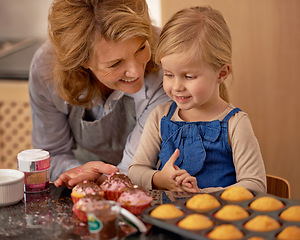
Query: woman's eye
(142, 48)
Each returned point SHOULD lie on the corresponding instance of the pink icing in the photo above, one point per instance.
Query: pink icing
(87, 189)
(136, 198)
(113, 186)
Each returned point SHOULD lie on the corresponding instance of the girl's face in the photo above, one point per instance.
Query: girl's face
(121, 65)
(193, 85)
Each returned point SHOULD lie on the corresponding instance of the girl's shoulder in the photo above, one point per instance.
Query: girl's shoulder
(161, 110)
(238, 115)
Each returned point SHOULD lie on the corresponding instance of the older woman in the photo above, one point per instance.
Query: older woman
(92, 87)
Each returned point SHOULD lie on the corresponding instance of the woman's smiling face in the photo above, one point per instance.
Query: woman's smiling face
(121, 65)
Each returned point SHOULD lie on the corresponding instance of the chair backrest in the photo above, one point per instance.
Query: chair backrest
(278, 186)
(15, 121)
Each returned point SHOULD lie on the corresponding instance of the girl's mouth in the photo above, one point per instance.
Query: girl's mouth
(182, 99)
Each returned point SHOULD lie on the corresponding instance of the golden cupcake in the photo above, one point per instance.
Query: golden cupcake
(289, 233)
(195, 222)
(225, 231)
(256, 238)
(237, 193)
(262, 223)
(266, 203)
(202, 202)
(166, 211)
(231, 213)
(291, 214)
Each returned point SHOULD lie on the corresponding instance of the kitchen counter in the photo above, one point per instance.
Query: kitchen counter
(49, 215)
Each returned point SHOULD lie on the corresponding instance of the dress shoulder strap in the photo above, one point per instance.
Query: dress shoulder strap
(230, 114)
(172, 110)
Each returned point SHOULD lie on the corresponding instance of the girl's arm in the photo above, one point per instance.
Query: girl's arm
(144, 163)
(247, 158)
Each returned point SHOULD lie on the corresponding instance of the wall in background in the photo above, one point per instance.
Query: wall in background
(28, 18)
(266, 50)
(23, 18)
(155, 11)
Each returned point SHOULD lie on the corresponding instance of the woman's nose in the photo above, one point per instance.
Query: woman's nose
(134, 70)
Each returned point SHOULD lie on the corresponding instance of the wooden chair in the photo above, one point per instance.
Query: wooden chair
(15, 121)
(278, 186)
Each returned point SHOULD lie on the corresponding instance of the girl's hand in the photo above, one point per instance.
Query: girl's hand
(189, 184)
(90, 171)
(162, 179)
(185, 180)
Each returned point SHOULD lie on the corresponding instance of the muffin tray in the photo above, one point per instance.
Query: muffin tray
(171, 224)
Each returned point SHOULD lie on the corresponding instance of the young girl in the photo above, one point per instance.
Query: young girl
(200, 142)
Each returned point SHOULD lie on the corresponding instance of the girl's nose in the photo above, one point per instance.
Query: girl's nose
(177, 85)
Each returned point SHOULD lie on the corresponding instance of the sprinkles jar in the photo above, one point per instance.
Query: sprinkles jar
(35, 163)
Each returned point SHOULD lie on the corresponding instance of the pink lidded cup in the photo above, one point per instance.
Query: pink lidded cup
(35, 163)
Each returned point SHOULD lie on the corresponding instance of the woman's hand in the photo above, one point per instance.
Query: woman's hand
(90, 171)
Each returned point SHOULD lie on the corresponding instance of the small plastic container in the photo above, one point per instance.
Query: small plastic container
(35, 163)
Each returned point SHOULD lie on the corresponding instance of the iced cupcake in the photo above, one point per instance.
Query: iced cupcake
(79, 208)
(83, 188)
(115, 185)
(135, 199)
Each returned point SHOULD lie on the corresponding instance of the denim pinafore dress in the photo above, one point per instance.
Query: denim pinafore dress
(205, 152)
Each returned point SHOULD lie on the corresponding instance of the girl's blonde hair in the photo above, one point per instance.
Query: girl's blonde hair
(198, 32)
(75, 26)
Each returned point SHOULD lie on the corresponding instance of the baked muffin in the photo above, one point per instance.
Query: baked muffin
(291, 214)
(266, 203)
(225, 231)
(231, 213)
(195, 222)
(83, 188)
(289, 233)
(135, 199)
(256, 238)
(262, 223)
(115, 184)
(79, 208)
(202, 202)
(166, 211)
(236, 193)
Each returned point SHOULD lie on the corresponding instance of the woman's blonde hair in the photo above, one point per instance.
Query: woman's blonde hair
(198, 32)
(75, 26)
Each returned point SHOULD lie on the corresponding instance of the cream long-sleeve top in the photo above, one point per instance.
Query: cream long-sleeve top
(247, 158)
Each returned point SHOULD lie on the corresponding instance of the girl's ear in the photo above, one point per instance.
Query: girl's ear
(223, 73)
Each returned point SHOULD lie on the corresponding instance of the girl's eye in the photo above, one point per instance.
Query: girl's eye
(189, 77)
(168, 75)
